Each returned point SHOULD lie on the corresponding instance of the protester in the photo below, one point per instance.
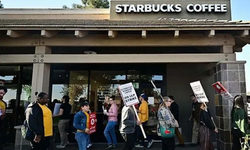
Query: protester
(206, 124)
(39, 119)
(175, 111)
(167, 120)
(80, 122)
(65, 110)
(143, 116)
(195, 116)
(238, 122)
(3, 91)
(127, 127)
(112, 114)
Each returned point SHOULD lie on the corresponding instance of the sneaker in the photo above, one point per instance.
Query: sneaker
(67, 143)
(139, 146)
(150, 143)
(89, 145)
(109, 147)
(60, 146)
(114, 146)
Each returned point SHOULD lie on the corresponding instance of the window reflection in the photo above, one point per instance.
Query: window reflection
(104, 84)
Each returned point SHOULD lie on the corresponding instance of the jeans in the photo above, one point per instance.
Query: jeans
(62, 125)
(110, 130)
(88, 140)
(82, 140)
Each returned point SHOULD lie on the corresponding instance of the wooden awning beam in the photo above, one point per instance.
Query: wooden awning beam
(144, 34)
(244, 33)
(80, 34)
(48, 33)
(211, 33)
(176, 33)
(112, 34)
(15, 33)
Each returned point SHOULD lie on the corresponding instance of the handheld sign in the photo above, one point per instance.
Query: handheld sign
(222, 91)
(128, 94)
(199, 92)
(130, 98)
(92, 123)
(56, 108)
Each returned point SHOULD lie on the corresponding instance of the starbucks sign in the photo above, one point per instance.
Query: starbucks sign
(170, 8)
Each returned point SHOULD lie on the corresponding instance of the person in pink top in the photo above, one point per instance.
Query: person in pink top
(109, 131)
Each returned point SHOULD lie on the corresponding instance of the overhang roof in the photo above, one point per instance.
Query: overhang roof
(160, 23)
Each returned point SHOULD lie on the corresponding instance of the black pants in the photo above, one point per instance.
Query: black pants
(236, 143)
(1, 137)
(42, 145)
(130, 143)
(140, 135)
(168, 143)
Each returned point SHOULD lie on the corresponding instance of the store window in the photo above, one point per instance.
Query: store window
(105, 84)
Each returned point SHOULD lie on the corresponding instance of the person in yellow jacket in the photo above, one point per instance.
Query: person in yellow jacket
(143, 116)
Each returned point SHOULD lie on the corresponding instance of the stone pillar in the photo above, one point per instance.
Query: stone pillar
(41, 73)
(232, 76)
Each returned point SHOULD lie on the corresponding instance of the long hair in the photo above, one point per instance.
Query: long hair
(237, 102)
(166, 98)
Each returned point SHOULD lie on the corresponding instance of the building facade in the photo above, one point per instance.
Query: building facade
(88, 53)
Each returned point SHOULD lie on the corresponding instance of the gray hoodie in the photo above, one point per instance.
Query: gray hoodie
(128, 120)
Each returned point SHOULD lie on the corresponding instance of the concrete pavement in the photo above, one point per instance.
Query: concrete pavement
(102, 146)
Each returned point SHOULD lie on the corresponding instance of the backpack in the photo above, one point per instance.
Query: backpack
(27, 134)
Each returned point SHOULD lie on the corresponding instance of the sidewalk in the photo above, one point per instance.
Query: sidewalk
(102, 146)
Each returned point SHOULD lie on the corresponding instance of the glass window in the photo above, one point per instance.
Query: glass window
(104, 84)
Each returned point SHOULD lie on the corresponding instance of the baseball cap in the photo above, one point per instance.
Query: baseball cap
(84, 103)
(143, 96)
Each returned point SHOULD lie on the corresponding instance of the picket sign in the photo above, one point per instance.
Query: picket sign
(199, 92)
(130, 98)
(92, 122)
(222, 91)
(157, 90)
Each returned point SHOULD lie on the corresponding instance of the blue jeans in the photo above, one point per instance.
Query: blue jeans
(110, 130)
(88, 140)
(82, 140)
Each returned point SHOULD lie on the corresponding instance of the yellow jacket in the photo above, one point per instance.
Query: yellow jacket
(143, 115)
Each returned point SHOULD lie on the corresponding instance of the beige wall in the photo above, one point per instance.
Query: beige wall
(183, 14)
(54, 14)
(178, 78)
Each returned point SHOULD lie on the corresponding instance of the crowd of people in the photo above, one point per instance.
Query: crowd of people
(40, 121)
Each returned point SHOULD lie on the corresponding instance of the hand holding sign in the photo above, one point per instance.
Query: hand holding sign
(199, 92)
(130, 98)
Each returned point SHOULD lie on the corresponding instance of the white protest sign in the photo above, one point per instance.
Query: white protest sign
(56, 108)
(130, 98)
(199, 92)
(151, 100)
(128, 94)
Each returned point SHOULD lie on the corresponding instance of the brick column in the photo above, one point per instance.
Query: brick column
(232, 76)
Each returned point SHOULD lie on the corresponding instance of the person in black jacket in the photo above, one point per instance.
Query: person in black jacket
(37, 116)
(3, 91)
(206, 124)
(174, 108)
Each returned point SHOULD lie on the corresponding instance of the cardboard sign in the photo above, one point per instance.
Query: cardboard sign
(199, 92)
(222, 91)
(92, 123)
(57, 108)
(219, 87)
(128, 94)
